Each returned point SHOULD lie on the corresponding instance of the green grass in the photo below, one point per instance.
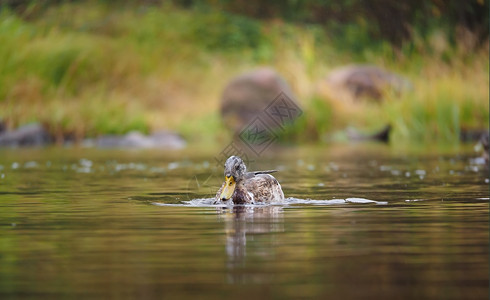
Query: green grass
(90, 68)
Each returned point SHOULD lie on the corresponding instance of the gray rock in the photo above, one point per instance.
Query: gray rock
(167, 139)
(357, 82)
(28, 135)
(248, 95)
(383, 135)
(3, 126)
(467, 135)
(484, 143)
(135, 139)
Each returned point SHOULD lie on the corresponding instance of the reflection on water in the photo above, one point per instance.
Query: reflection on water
(358, 222)
(244, 224)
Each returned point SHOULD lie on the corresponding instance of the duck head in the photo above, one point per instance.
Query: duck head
(235, 169)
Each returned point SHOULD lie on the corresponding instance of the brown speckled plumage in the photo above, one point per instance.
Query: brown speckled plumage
(251, 187)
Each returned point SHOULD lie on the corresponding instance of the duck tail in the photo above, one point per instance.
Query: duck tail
(264, 172)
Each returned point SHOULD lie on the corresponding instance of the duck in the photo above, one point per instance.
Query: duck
(242, 187)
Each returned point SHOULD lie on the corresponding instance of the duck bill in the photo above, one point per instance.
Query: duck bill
(228, 189)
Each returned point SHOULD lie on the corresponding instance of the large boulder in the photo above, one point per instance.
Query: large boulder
(29, 135)
(248, 95)
(356, 82)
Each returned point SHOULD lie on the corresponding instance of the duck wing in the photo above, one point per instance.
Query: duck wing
(263, 188)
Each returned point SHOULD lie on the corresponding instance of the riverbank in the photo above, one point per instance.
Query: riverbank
(87, 69)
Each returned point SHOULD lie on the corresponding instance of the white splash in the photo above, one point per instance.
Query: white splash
(208, 202)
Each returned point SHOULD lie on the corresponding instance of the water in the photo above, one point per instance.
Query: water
(360, 221)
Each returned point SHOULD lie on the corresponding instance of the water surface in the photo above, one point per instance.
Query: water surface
(139, 224)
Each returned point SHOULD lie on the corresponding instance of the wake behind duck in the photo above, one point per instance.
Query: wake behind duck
(257, 188)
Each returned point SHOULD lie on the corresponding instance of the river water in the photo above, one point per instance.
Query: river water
(360, 221)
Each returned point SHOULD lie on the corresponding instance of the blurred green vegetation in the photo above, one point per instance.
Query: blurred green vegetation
(85, 68)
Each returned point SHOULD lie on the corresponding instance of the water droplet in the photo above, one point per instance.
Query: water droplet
(474, 168)
(333, 166)
(157, 170)
(281, 168)
(173, 165)
(395, 172)
(30, 164)
(15, 165)
(83, 170)
(85, 162)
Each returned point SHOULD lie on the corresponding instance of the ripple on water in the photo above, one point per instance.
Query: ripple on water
(208, 202)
